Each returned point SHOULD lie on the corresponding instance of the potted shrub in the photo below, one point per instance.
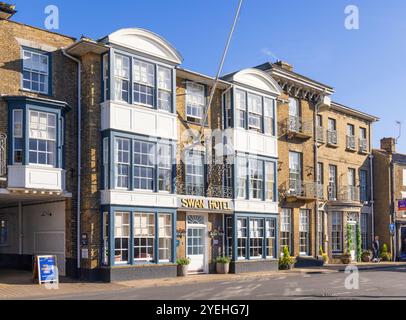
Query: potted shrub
(286, 261)
(223, 265)
(346, 258)
(183, 265)
(385, 254)
(366, 256)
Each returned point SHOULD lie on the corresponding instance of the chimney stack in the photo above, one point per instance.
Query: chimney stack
(389, 145)
(284, 65)
(6, 11)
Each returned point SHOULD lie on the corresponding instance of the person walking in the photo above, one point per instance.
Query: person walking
(375, 249)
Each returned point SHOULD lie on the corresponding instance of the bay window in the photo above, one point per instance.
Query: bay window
(144, 165)
(122, 162)
(42, 138)
(121, 237)
(35, 71)
(270, 181)
(165, 237)
(195, 101)
(143, 82)
(122, 77)
(144, 236)
(106, 163)
(269, 116)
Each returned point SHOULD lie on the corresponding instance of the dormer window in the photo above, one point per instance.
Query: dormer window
(195, 102)
(35, 71)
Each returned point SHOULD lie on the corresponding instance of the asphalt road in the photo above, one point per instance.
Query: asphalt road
(373, 284)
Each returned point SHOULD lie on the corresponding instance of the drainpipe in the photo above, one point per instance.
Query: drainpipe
(393, 213)
(371, 159)
(316, 161)
(79, 160)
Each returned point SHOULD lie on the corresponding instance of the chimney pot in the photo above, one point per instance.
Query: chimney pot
(284, 65)
(6, 11)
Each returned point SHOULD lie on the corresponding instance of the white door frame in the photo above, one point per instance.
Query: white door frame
(205, 237)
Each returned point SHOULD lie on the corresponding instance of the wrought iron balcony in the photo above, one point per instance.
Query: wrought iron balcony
(295, 127)
(299, 190)
(343, 193)
(212, 191)
(363, 145)
(351, 143)
(332, 137)
(3, 156)
(320, 134)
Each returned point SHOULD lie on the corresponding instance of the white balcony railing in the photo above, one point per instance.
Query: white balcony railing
(332, 137)
(296, 125)
(363, 145)
(350, 142)
(309, 190)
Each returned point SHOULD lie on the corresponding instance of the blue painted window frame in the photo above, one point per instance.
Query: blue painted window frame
(248, 217)
(111, 210)
(27, 105)
(49, 55)
(112, 135)
(156, 64)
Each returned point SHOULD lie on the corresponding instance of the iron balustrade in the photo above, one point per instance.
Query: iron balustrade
(350, 142)
(332, 137)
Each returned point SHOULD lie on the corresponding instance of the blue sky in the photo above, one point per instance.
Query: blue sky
(366, 67)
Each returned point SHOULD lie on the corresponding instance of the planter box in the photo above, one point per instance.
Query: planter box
(183, 270)
(222, 268)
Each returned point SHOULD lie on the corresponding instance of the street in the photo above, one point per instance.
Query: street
(387, 283)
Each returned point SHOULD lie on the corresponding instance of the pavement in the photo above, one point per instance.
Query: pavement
(376, 281)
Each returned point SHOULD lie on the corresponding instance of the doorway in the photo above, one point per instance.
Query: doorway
(196, 240)
(403, 243)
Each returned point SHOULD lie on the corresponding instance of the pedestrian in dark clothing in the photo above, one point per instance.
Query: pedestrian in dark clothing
(375, 249)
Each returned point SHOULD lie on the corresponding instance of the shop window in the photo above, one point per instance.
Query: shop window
(165, 237)
(121, 237)
(144, 236)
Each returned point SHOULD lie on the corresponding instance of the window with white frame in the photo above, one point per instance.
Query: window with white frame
(35, 71)
(256, 238)
(3, 232)
(106, 75)
(242, 235)
(270, 234)
(241, 108)
(122, 77)
(165, 237)
(122, 162)
(363, 181)
(144, 236)
(304, 217)
(254, 112)
(121, 237)
(404, 177)
(242, 171)
(143, 83)
(18, 140)
(195, 101)
(164, 89)
(270, 180)
(106, 163)
(194, 165)
(165, 167)
(286, 229)
(269, 116)
(256, 168)
(337, 232)
(144, 165)
(320, 230)
(42, 142)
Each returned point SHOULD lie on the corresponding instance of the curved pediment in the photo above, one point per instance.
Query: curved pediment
(146, 42)
(257, 79)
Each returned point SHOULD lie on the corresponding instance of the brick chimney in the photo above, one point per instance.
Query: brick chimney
(284, 65)
(6, 11)
(389, 145)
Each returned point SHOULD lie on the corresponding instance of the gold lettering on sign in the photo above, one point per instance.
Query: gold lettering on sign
(201, 204)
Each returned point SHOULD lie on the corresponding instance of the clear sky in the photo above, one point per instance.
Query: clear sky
(366, 67)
